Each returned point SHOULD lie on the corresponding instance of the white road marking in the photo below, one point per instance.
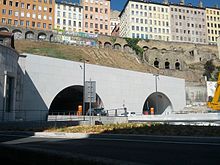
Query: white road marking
(157, 141)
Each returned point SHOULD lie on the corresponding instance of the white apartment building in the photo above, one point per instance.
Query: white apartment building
(114, 19)
(68, 16)
(146, 20)
(213, 24)
(188, 23)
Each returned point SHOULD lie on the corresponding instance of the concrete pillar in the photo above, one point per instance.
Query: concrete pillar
(218, 43)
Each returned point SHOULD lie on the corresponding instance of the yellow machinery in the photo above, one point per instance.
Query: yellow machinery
(215, 103)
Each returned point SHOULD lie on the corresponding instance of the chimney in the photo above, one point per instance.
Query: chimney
(182, 2)
(200, 3)
(165, 2)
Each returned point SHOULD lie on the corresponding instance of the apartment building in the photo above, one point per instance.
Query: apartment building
(146, 20)
(96, 16)
(35, 14)
(68, 16)
(114, 19)
(213, 24)
(188, 23)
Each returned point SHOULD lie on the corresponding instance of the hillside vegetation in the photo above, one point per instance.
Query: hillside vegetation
(101, 56)
(98, 56)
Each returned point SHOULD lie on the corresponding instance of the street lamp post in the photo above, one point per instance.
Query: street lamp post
(156, 77)
(84, 83)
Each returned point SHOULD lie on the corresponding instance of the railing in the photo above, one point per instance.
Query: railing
(43, 115)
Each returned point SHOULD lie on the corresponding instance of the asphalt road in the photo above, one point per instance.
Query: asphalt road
(138, 149)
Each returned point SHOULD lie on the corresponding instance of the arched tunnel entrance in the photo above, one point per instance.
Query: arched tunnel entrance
(160, 102)
(69, 99)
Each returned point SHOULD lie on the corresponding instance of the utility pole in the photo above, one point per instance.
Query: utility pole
(84, 83)
(156, 77)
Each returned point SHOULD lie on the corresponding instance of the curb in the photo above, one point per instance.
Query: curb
(61, 135)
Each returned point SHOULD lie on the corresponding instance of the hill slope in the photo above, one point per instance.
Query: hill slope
(99, 56)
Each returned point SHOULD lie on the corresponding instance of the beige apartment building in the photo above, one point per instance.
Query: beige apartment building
(96, 16)
(145, 20)
(188, 23)
(213, 24)
(35, 14)
(68, 16)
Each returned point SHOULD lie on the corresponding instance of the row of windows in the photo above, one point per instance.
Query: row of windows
(151, 29)
(70, 15)
(28, 15)
(26, 23)
(182, 17)
(98, 2)
(150, 8)
(150, 22)
(216, 32)
(214, 25)
(213, 18)
(91, 17)
(69, 29)
(73, 8)
(16, 4)
(195, 12)
(146, 36)
(213, 12)
(96, 9)
(182, 31)
(190, 39)
(39, 9)
(70, 22)
(151, 15)
(214, 39)
(96, 26)
(190, 25)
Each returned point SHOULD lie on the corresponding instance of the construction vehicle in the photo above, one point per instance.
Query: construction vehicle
(214, 104)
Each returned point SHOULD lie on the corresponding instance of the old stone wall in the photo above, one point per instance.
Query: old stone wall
(8, 68)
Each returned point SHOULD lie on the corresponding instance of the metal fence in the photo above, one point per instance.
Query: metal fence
(44, 115)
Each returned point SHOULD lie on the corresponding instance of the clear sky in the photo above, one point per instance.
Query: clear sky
(119, 4)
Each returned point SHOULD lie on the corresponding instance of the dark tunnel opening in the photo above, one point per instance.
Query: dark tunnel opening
(69, 100)
(159, 102)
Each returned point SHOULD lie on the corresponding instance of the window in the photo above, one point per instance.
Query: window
(28, 6)
(21, 22)
(3, 11)
(3, 20)
(27, 23)
(44, 25)
(9, 94)
(10, 3)
(16, 4)
(4, 2)
(9, 12)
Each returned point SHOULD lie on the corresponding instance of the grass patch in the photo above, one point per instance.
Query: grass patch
(143, 129)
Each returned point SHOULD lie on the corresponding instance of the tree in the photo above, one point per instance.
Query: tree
(209, 69)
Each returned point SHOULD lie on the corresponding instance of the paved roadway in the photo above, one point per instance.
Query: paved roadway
(139, 149)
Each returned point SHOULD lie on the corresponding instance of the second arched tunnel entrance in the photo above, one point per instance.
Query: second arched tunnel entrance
(69, 99)
(159, 102)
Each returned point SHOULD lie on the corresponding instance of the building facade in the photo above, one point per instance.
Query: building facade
(114, 20)
(188, 23)
(96, 16)
(218, 43)
(27, 14)
(213, 24)
(68, 16)
(146, 20)
(8, 77)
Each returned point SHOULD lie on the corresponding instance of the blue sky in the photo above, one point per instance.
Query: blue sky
(119, 4)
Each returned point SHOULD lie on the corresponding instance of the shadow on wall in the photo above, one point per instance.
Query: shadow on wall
(33, 106)
(160, 102)
(1, 99)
